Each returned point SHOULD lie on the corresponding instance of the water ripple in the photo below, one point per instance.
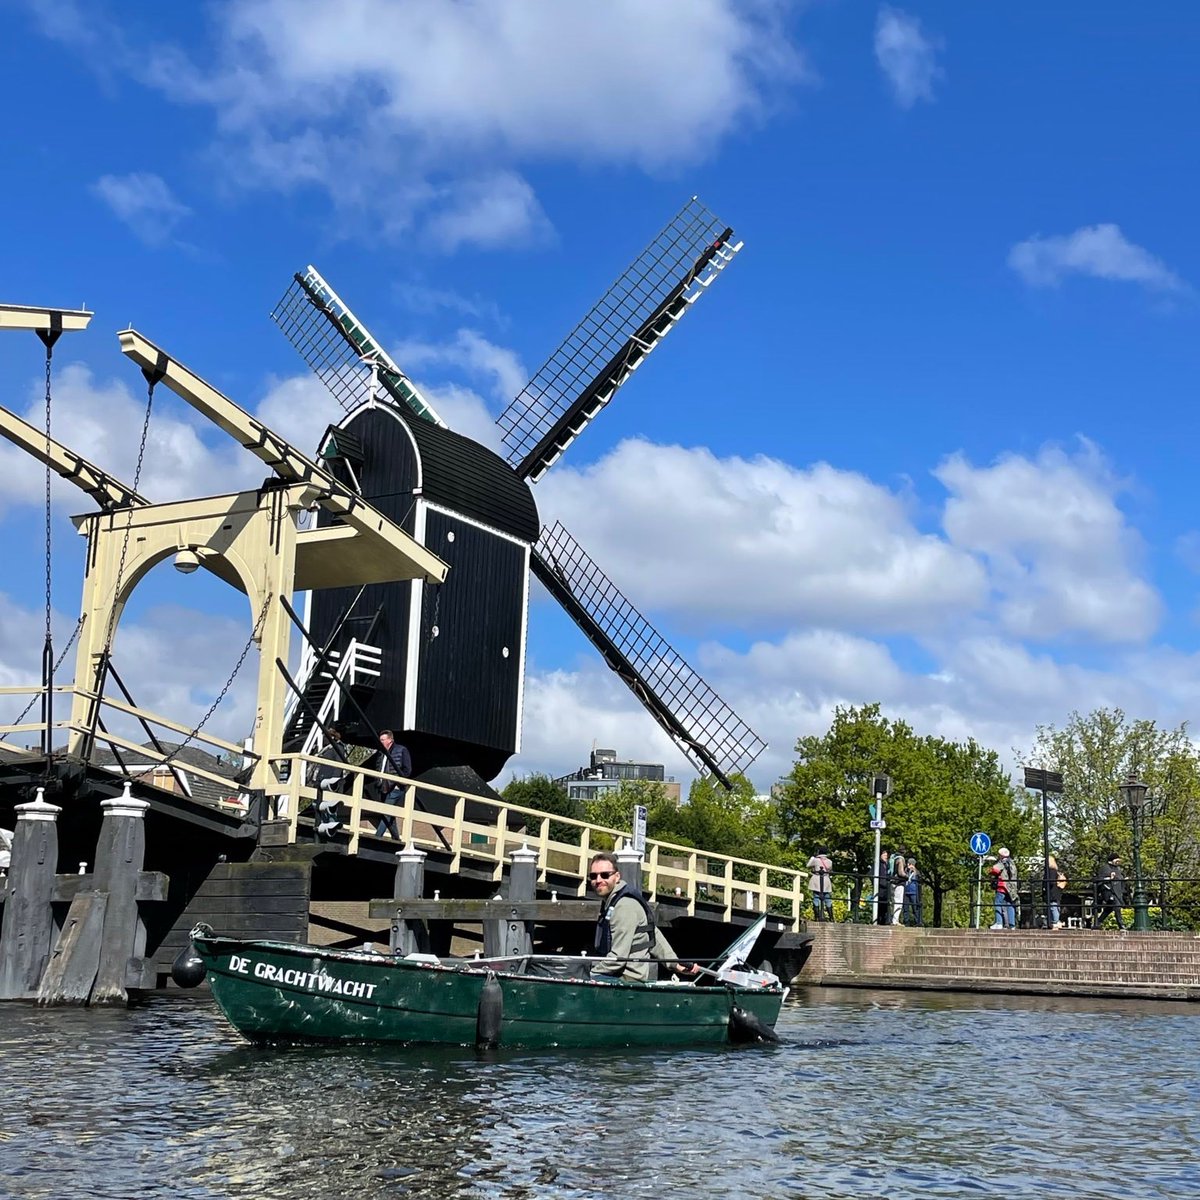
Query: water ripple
(888, 1095)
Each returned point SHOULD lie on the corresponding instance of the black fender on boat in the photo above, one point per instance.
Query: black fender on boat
(490, 1013)
(745, 1027)
(188, 969)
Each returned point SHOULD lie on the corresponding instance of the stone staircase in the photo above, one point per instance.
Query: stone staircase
(1066, 962)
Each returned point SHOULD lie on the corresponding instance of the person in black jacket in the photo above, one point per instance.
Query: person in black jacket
(397, 761)
(1112, 892)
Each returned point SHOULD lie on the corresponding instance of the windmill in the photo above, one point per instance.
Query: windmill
(446, 662)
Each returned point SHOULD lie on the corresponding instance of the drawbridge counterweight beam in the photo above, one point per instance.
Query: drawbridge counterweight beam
(283, 458)
(43, 320)
(108, 492)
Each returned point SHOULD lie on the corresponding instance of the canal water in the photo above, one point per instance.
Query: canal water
(871, 1094)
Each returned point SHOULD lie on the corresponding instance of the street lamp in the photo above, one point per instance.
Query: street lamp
(1134, 792)
(1046, 782)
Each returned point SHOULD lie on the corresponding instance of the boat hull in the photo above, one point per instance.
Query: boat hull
(272, 991)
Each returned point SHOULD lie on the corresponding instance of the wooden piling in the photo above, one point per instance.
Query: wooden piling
(27, 933)
(120, 853)
(409, 935)
(522, 885)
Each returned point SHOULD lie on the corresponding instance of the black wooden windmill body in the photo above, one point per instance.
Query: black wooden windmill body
(444, 665)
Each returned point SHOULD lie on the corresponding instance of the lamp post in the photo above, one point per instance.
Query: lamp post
(1037, 779)
(1134, 792)
(881, 786)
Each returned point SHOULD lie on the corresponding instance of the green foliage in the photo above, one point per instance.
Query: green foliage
(1089, 820)
(941, 792)
(614, 809)
(733, 822)
(542, 794)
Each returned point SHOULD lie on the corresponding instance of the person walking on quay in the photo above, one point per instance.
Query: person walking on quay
(820, 884)
(1055, 881)
(1112, 892)
(899, 879)
(1004, 880)
(912, 895)
(396, 759)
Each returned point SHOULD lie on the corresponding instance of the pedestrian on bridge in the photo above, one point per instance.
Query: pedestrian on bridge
(398, 761)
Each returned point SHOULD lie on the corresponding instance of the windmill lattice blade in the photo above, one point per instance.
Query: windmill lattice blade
(608, 345)
(700, 723)
(340, 349)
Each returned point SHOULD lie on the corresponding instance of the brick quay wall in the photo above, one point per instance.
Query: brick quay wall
(1162, 966)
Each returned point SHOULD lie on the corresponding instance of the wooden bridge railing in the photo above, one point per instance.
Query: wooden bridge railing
(131, 748)
(564, 845)
(713, 882)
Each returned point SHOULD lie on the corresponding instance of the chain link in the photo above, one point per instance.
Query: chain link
(191, 737)
(37, 695)
(137, 476)
(49, 358)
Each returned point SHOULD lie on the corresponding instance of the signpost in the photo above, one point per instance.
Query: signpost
(639, 828)
(1040, 780)
(980, 844)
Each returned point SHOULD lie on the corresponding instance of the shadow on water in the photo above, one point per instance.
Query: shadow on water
(166, 1100)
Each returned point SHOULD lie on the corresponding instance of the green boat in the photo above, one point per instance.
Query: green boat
(280, 992)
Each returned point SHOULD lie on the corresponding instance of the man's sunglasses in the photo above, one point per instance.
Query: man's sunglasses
(601, 874)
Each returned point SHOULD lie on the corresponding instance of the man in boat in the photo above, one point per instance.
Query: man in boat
(625, 931)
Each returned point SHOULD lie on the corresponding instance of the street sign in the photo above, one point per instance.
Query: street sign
(879, 823)
(639, 828)
(980, 844)
(1043, 781)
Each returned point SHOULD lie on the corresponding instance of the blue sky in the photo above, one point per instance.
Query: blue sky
(926, 441)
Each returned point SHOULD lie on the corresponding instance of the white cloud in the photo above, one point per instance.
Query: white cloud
(299, 408)
(1100, 251)
(495, 211)
(759, 542)
(448, 102)
(473, 354)
(102, 421)
(906, 56)
(143, 202)
(421, 298)
(202, 649)
(1061, 556)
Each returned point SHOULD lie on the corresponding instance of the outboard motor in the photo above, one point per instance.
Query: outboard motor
(745, 1027)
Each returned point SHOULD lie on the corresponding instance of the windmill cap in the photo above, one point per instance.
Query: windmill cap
(1003, 852)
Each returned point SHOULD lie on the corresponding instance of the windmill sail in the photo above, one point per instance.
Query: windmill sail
(700, 723)
(340, 349)
(609, 344)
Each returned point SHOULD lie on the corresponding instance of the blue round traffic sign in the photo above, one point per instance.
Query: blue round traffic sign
(980, 844)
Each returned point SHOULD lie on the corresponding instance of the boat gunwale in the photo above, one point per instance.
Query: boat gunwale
(470, 967)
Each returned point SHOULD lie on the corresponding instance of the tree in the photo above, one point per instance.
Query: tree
(614, 808)
(542, 794)
(1089, 821)
(941, 792)
(825, 798)
(733, 821)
